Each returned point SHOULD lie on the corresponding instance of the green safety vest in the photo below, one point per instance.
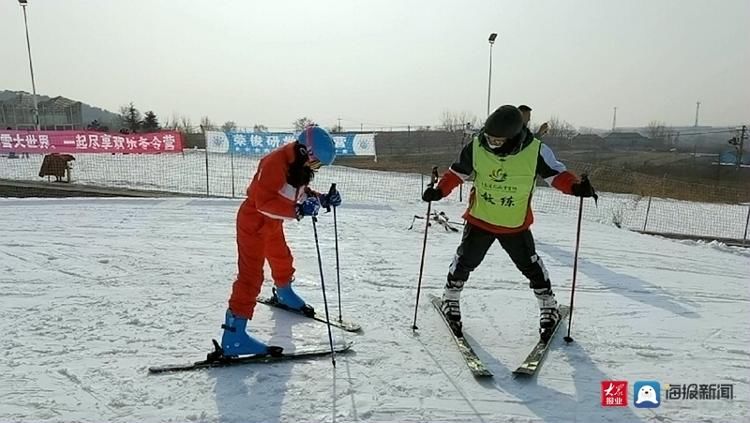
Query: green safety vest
(503, 185)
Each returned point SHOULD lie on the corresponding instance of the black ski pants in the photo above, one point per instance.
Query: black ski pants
(520, 248)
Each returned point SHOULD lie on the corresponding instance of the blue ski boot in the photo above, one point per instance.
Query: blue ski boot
(236, 340)
(289, 299)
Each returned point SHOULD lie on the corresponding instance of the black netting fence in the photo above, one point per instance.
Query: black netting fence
(629, 199)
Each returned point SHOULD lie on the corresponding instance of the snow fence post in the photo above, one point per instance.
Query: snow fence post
(648, 209)
(205, 147)
(747, 221)
(231, 165)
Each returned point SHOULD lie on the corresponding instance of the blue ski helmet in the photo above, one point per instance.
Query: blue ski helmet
(319, 144)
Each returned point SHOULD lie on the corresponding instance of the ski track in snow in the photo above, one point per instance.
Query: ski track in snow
(94, 291)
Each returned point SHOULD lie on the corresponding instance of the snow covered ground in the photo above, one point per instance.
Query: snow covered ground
(229, 176)
(94, 291)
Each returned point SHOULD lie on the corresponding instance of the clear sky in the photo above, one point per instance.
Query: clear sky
(388, 62)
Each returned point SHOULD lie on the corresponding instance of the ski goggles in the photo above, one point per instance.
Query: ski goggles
(313, 163)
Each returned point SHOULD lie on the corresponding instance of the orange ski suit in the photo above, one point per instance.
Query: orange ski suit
(260, 232)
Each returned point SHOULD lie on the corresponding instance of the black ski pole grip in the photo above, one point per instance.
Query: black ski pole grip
(330, 192)
(434, 176)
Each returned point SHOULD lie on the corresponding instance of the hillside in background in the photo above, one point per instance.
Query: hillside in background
(90, 112)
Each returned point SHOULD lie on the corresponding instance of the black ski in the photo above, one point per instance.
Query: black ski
(535, 358)
(441, 218)
(477, 367)
(216, 359)
(310, 313)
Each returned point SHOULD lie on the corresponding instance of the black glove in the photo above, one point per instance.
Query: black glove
(583, 188)
(332, 199)
(432, 194)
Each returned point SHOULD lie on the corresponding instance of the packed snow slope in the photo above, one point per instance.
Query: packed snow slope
(94, 291)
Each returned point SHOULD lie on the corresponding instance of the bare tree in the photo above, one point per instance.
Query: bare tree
(560, 130)
(661, 134)
(185, 125)
(229, 126)
(656, 129)
(301, 123)
(172, 123)
(207, 124)
(456, 121)
(259, 127)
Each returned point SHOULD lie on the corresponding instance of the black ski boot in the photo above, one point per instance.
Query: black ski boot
(549, 313)
(451, 307)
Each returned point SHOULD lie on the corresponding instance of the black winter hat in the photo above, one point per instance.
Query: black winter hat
(506, 121)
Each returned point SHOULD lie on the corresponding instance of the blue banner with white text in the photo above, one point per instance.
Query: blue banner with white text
(260, 143)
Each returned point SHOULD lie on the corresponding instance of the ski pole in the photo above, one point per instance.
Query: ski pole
(336, 240)
(432, 183)
(323, 287)
(568, 339)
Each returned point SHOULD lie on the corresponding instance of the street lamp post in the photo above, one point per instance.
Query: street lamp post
(23, 4)
(489, 78)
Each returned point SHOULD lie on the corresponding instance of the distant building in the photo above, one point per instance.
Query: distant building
(57, 113)
(630, 140)
(587, 141)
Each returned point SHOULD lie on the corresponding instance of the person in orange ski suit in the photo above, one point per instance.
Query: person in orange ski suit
(279, 191)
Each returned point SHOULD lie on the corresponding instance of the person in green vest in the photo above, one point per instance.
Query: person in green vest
(504, 158)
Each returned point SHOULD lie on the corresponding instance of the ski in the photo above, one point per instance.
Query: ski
(477, 367)
(216, 359)
(535, 358)
(441, 218)
(310, 313)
